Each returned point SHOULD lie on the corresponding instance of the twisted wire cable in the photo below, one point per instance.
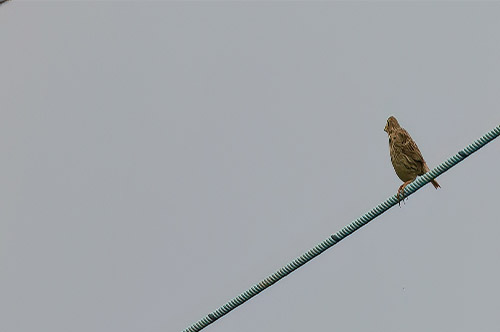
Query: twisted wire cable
(344, 232)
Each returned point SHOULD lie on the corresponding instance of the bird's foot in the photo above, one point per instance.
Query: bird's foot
(401, 191)
(402, 194)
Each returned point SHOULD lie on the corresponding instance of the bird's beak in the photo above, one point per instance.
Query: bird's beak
(385, 129)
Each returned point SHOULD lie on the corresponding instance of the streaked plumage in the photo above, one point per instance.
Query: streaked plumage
(406, 158)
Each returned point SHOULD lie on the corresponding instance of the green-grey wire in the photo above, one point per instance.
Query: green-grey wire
(344, 232)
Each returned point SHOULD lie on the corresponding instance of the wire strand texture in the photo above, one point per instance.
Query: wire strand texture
(344, 232)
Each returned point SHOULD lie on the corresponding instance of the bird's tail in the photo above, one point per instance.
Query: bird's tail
(434, 182)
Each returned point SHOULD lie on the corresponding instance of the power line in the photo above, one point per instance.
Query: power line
(344, 232)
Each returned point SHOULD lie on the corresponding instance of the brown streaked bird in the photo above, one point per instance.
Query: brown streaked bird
(405, 155)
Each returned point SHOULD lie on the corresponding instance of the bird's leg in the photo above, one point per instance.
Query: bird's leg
(402, 191)
(397, 195)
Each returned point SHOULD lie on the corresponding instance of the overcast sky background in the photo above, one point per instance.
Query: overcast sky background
(160, 158)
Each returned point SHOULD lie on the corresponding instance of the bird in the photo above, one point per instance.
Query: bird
(406, 158)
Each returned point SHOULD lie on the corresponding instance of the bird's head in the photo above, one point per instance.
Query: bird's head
(392, 124)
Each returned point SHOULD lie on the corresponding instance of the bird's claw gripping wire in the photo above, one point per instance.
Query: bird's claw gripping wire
(401, 191)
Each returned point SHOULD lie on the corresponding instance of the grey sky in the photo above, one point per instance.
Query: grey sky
(160, 158)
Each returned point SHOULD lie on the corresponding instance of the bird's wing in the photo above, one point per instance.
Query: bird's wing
(410, 148)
